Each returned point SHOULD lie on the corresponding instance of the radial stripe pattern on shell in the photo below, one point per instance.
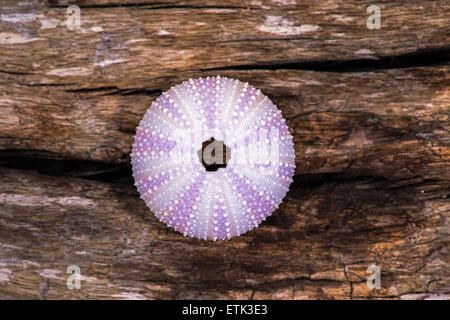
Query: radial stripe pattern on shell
(172, 180)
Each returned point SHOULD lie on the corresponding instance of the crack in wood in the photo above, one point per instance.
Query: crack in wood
(420, 58)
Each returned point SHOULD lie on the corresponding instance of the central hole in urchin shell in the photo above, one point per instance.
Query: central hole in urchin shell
(214, 154)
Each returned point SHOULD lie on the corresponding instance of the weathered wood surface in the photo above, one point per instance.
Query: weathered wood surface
(392, 123)
(318, 245)
(369, 111)
(156, 43)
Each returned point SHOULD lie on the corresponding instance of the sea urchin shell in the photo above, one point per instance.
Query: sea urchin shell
(213, 157)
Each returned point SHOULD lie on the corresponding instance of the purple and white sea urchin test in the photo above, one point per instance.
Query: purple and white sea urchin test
(213, 157)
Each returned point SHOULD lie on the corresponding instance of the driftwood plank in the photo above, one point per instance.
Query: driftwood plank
(154, 43)
(393, 123)
(317, 245)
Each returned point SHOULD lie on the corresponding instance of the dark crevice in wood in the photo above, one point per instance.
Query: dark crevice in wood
(199, 7)
(129, 92)
(65, 4)
(48, 84)
(115, 90)
(318, 179)
(147, 6)
(15, 73)
(420, 58)
(87, 90)
(48, 163)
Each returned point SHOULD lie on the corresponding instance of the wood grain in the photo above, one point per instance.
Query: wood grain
(393, 123)
(155, 43)
(368, 109)
(317, 245)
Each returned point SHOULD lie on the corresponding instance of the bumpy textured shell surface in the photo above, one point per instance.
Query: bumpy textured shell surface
(175, 185)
